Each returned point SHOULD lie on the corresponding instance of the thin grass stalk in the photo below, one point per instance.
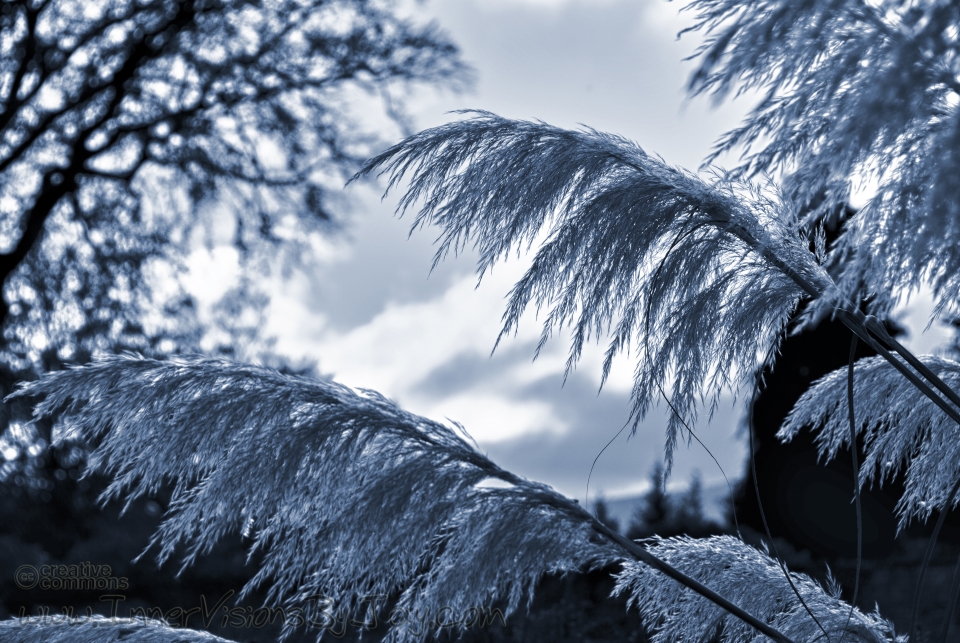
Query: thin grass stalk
(856, 476)
(854, 322)
(763, 515)
(951, 602)
(928, 554)
(877, 329)
(593, 465)
(673, 409)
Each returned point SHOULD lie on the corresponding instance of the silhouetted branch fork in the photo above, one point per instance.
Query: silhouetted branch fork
(59, 181)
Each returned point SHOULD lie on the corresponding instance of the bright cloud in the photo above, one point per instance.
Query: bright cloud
(396, 351)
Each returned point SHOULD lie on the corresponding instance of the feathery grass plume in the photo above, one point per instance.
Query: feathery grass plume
(901, 429)
(701, 275)
(98, 629)
(350, 498)
(751, 579)
(852, 91)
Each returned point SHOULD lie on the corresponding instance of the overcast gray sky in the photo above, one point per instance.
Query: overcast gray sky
(373, 316)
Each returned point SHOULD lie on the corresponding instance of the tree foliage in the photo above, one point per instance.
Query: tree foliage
(129, 128)
(652, 515)
(602, 513)
(667, 514)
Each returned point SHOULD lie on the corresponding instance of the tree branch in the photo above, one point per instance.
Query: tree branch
(57, 182)
(30, 54)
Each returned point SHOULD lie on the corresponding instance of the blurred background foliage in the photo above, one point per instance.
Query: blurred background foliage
(132, 134)
(135, 132)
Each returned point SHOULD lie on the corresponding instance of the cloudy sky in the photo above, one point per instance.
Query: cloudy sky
(373, 315)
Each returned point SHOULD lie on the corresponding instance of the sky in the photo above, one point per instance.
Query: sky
(373, 315)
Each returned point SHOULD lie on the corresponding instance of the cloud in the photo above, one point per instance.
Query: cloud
(433, 358)
(428, 347)
(564, 459)
(496, 417)
(545, 4)
(405, 348)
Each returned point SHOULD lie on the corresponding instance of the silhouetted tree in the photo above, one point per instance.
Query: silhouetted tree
(602, 513)
(654, 515)
(690, 505)
(664, 515)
